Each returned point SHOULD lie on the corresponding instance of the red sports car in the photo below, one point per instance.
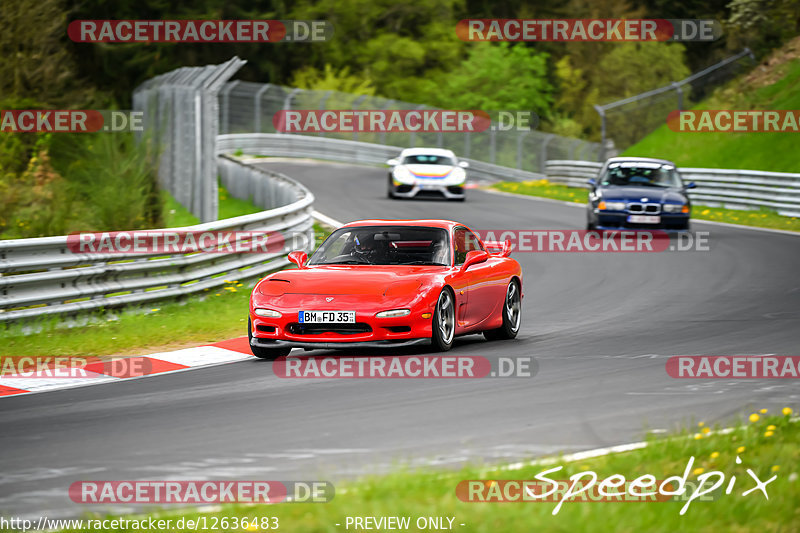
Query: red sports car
(388, 283)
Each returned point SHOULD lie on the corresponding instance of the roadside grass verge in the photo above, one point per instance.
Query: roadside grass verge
(210, 316)
(777, 88)
(769, 446)
(762, 218)
(176, 216)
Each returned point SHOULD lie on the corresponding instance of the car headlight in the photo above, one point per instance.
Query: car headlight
(402, 174)
(676, 208)
(269, 313)
(458, 174)
(394, 313)
(611, 206)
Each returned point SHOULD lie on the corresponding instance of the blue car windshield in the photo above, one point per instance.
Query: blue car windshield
(644, 175)
(424, 159)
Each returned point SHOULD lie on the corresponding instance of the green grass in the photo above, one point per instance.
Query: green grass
(763, 218)
(755, 151)
(175, 215)
(432, 492)
(211, 316)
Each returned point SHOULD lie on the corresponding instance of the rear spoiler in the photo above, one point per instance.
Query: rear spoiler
(503, 249)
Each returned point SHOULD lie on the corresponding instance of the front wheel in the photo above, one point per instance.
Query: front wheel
(260, 351)
(444, 321)
(512, 315)
(390, 189)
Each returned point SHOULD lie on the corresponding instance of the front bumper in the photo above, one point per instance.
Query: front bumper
(451, 192)
(279, 343)
(368, 330)
(619, 220)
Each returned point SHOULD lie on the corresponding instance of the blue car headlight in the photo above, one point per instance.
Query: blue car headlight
(676, 208)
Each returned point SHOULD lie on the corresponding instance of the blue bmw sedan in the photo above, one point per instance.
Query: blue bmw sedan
(638, 193)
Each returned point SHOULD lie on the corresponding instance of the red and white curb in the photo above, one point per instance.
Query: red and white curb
(219, 353)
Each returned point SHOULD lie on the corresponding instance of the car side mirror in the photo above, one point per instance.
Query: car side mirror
(691, 185)
(299, 258)
(392, 162)
(592, 182)
(473, 258)
(463, 164)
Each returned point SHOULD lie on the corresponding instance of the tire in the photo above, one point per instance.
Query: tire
(265, 353)
(590, 226)
(390, 189)
(444, 321)
(512, 315)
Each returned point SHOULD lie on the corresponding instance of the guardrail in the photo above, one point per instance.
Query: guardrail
(731, 188)
(286, 145)
(43, 276)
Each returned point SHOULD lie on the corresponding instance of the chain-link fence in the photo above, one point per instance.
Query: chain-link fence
(629, 120)
(180, 117)
(250, 108)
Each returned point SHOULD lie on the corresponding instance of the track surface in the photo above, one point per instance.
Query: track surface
(600, 325)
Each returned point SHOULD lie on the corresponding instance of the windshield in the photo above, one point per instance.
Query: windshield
(384, 245)
(423, 159)
(653, 175)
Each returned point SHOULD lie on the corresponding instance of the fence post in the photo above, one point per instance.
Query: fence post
(257, 111)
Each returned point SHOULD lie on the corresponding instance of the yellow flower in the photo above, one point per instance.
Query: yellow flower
(754, 417)
(763, 411)
(714, 455)
(706, 430)
(697, 471)
(701, 424)
(787, 411)
(768, 433)
(740, 449)
(155, 310)
(775, 468)
(697, 436)
(251, 527)
(771, 427)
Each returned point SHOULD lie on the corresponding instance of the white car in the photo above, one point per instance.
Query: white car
(427, 172)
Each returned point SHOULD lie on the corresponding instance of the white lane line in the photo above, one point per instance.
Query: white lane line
(742, 226)
(325, 219)
(694, 220)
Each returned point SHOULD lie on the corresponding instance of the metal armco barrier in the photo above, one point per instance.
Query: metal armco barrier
(715, 187)
(285, 145)
(45, 273)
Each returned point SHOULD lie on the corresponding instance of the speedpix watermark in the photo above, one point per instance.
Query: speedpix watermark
(408, 367)
(593, 30)
(199, 31)
(69, 120)
(640, 489)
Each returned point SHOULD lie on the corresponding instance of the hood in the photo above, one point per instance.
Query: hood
(635, 194)
(430, 171)
(359, 281)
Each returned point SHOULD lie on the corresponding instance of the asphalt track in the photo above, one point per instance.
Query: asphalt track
(600, 325)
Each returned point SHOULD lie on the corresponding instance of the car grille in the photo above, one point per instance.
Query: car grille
(637, 208)
(318, 329)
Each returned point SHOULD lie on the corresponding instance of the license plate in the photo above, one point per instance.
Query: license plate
(326, 317)
(644, 219)
(427, 187)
